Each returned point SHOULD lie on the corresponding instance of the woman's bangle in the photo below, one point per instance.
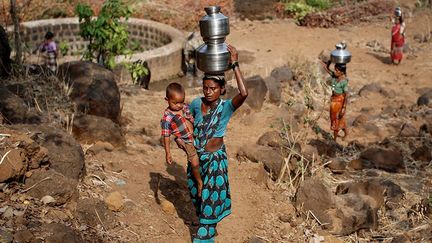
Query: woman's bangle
(234, 65)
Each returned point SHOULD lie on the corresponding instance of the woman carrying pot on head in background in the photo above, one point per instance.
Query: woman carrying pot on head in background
(339, 98)
(397, 37)
(211, 114)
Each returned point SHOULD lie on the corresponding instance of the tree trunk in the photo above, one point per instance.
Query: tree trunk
(5, 51)
(15, 19)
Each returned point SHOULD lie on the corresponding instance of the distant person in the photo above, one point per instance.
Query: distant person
(339, 98)
(178, 121)
(397, 37)
(49, 52)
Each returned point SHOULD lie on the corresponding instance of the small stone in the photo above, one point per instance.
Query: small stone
(255, 239)
(47, 200)
(120, 182)
(28, 174)
(168, 207)
(285, 218)
(100, 146)
(332, 239)
(23, 236)
(114, 201)
(5, 236)
(18, 213)
(9, 213)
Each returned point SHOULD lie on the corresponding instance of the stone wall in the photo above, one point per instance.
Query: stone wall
(160, 44)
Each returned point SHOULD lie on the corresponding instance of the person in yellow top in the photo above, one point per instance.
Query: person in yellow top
(339, 98)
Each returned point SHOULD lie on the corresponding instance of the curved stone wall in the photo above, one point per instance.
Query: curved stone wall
(160, 45)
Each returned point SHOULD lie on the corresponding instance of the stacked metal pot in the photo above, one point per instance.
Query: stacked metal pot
(213, 56)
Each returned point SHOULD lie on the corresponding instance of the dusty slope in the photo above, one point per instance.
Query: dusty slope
(273, 44)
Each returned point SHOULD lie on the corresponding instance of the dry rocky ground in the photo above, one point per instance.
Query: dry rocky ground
(99, 175)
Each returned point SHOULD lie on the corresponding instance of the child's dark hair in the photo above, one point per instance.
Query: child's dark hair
(220, 79)
(341, 67)
(49, 35)
(174, 88)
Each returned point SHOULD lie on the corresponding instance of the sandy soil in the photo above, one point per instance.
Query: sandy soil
(272, 43)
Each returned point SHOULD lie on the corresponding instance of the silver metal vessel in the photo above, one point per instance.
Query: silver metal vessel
(340, 55)
(213, 56)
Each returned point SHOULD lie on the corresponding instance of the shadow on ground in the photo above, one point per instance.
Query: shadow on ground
(176, 191)
(384, 59)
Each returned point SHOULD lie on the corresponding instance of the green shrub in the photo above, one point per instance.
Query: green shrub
(298, 9)
(319, 4)
(107, 34)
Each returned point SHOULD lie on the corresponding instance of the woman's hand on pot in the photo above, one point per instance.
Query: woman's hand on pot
(233, 52)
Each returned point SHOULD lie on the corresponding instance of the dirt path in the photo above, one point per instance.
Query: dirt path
(254, 206)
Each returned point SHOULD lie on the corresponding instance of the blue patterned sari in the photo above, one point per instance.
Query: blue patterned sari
(215, 202)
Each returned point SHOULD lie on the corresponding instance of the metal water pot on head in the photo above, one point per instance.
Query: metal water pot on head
(340, 55)
(213, 56)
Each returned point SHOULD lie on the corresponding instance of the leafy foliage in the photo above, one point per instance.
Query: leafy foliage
(298, 9)
(106, 33)
(319, 4)
(137, 70)
(64, 48)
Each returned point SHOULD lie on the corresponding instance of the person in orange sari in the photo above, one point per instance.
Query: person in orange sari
(397, 37)
(339, 98)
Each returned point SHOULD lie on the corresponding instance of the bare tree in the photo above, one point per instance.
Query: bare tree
(14, 11)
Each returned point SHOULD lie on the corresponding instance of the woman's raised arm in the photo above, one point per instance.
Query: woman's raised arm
(238, 100)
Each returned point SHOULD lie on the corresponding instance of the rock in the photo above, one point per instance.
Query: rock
(256, 239)
(95, 91)
(425, 98)
(48, 200)
(408, 130)
(388, 160)
(65, 154)
(423, 153)
(8, 213)
(401, 239)
(62, 233)
(326, 147)
(38, 157)
(89, 129)
(272, 139)
(282, 74)
(332, 239)
(352, 213)
(99, 147)
(5, 236)
(257, 90)
(113, 166)
(314, 196)
(342, 214)
(13, 165)
(91, 212)
(23, 236)
(373, 88)
(369, 188)
(114, 201)
(261, 176)
(360, 120)
(51, 183)
(337, 165)
(15, 111)
(356, 164)
(275, 90)
(270, 157)
(167, 207)
(5, 51)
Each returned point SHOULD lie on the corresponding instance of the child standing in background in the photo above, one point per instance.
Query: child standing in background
(49, 51)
